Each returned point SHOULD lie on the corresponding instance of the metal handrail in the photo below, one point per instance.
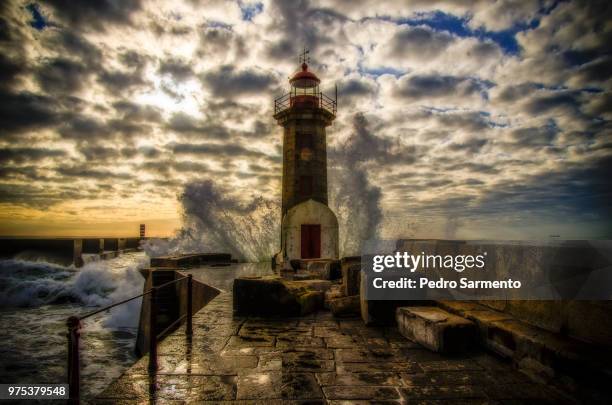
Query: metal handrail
(74, 332)
(116, 304)
(323, 101)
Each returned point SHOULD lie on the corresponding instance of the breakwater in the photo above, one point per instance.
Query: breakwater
(66, 251)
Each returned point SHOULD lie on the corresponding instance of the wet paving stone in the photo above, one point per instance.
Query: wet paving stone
(246, 330)
(259, 386)
(319, 322)
(354, 402)
(468, 401)
(360, 392)
(196, 388)
(199, 364)
(288, 341)
(181, 346)
(278, 385)
(130, 386)
(366, 378)
(400, 367)
(450, 365)
(300, 386)
(270, 362)
(447, 378)
(250, 341)
(216, 329)
(527, 392)
(308, 354)
(271, 322)
(299, 365)
(174, 387)
(443, 392)
(343, 341)
(326, 331)
(371, 354)
(312, 360)
(245, 351)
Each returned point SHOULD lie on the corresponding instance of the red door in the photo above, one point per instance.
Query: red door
(311, 241)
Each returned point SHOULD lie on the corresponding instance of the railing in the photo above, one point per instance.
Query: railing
(312, 100)
(74, 332)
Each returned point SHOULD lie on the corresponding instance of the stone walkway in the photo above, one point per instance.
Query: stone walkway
(313, 359)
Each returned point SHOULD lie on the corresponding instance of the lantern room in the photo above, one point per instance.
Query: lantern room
(304, 92)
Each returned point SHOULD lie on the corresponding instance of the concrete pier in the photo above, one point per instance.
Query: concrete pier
(315, 358)
(248, 348)
(66, 251)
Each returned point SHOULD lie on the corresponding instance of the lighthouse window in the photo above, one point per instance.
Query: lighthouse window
(305, 186)
(305, 141)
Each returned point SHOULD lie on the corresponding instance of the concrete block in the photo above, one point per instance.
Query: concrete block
(93, 245)
(348, 260)
(436, 329)
(325, 269)
(334, 270)
(335, 291)
(380, 312)
(272, 296)
(345, 306)
(351, 279)
(111, 244)
(459, 307)
(132, 243)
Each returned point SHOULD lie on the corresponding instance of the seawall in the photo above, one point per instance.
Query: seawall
(66, 251)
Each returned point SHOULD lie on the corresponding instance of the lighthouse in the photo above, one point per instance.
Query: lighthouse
(309, 228)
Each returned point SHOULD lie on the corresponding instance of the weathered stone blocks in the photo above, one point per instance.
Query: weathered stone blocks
(273, 296)
(334, 292)
(351, 279)
(380, 312)
(345, 306)
(435, 328)
(325, 269)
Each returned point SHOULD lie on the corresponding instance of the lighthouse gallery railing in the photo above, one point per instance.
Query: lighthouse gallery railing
(312, 100)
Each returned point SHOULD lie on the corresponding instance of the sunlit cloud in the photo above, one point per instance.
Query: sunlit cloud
(476, 111)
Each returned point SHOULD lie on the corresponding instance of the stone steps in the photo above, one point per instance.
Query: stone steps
(544, 355)
(436, 329)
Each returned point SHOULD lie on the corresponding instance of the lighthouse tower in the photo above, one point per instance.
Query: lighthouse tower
(309, 228)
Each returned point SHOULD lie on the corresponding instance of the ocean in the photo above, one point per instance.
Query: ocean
(37, 297)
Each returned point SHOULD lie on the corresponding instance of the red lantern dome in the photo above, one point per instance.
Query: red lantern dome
(304, 79)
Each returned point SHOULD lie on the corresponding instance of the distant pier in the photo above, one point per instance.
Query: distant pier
(67, 251)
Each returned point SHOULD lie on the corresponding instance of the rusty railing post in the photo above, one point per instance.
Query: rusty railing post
(189, 328)
(153, 331)
(73, 323)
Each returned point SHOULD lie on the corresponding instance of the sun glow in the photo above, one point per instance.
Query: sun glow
(172, 96)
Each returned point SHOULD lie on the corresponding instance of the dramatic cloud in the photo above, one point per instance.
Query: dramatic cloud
(455, 119)
(228, 82)
(93, 14)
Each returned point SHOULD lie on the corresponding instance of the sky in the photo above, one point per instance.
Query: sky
(474, 119)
